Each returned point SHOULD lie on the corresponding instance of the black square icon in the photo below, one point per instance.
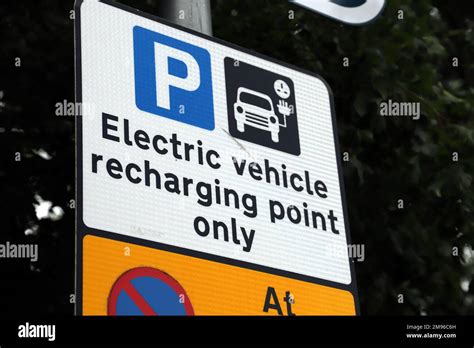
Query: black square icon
(261, 107)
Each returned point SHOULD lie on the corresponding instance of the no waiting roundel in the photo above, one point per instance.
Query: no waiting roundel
(148, 291)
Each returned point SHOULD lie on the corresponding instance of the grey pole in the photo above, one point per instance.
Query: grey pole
(192, 14)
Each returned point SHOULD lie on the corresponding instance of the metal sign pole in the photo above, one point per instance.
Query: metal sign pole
(192, 14)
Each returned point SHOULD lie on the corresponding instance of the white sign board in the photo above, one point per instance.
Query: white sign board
(193, 143)
(347, 11)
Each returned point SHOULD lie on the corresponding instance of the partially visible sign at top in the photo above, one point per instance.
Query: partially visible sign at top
(348, 11)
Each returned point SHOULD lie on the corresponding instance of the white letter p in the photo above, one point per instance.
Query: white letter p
(163, 78)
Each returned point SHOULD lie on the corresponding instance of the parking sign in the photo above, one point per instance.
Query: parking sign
(181, 75)
(208, 176)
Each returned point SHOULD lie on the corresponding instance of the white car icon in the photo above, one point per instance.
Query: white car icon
(255, 109)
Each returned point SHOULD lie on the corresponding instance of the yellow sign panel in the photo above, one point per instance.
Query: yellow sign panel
(211, 287)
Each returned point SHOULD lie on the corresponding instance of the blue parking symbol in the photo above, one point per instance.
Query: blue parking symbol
(173, 78)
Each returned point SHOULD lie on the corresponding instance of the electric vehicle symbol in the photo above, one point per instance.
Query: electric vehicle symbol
(255, 109)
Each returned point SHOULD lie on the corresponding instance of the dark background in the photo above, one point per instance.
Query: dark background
(408, 251)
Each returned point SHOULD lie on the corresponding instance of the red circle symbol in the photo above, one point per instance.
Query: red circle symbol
(148, 291)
